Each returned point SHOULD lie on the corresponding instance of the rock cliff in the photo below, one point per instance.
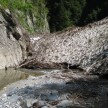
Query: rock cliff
(32, 14)
(14, 41)
(85, 47)
(34, 17)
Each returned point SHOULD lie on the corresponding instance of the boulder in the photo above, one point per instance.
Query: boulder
(80, 47)
(14, 41)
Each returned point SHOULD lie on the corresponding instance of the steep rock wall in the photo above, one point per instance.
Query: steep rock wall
(13, 43)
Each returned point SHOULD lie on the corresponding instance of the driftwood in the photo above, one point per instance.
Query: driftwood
(25, 63)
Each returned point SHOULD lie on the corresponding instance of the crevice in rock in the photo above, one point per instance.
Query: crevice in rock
(8, 17)
(66, 65)
(8, 34)
(16, 35)
(104, 76)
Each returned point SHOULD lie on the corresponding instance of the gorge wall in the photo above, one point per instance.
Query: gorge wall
(14, 42)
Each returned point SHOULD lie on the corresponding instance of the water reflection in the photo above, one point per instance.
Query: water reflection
(11, 75)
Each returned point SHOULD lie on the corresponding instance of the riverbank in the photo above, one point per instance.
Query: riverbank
(57, 89)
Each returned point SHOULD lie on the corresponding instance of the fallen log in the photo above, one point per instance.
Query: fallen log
(25, 63)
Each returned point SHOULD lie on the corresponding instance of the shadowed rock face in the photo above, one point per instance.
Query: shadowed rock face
(13, 44)
(83, 47)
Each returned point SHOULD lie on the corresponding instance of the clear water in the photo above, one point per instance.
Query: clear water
(9, 76)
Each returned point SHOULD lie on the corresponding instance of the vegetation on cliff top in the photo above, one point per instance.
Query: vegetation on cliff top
(30, 13)
(33, 14)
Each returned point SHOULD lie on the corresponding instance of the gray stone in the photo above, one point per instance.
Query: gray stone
(45, 107)
(30, 102)
(65, 104)
(13, 98)
(13, 43)
(42, 103)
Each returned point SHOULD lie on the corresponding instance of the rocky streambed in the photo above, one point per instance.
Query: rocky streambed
(57, 89)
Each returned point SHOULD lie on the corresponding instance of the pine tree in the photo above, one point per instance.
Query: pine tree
(63, 17)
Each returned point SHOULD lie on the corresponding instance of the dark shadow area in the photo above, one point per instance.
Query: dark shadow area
(94, 10)
(105, 76)
(66, 65)
(16, 35)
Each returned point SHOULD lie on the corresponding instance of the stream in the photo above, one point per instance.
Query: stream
(10, 76)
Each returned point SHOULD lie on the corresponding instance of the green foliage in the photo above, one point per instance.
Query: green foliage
(75, 12)
(61, 13)
(93, 11)
(63, 18)
(34, 9)
(4, 3)
(15, 4)
(64, 13)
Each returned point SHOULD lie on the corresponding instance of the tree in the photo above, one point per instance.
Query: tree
(63, 17)
(64, 13)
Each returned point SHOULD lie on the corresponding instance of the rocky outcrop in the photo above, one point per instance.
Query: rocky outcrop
(14, 41)
(31, 14)
(34, 17)
(85, 47)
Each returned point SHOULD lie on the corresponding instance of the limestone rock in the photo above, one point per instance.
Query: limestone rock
(13, 43)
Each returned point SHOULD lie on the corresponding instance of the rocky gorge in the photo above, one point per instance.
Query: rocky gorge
(77, 57)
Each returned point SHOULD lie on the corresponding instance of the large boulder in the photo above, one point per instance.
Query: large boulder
(14, 41)
(84, 47)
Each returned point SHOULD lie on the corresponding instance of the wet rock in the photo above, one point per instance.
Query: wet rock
(13, 98)
(30, 102)
(65, 104)
(49, 96)
(42, 103)
(70, 104)
(45, 107)
(23, 103)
